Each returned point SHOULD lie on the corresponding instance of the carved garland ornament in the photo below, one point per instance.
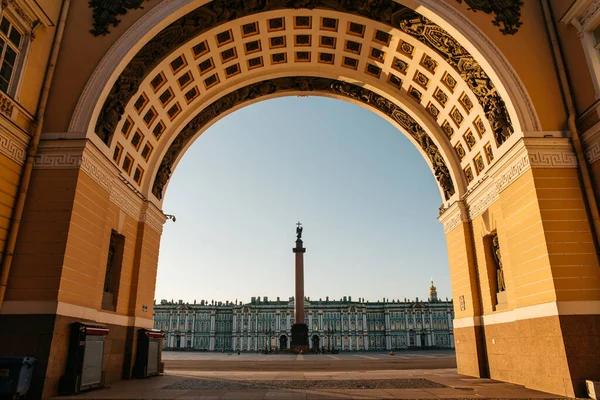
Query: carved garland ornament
(507, 12)
(220, 11)
(302, 83)
(106, 12)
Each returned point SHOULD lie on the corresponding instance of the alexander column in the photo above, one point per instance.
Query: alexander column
(299, 329)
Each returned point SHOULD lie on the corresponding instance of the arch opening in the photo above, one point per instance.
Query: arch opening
(403, 54)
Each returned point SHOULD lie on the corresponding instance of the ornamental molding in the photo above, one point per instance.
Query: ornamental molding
(453, 217)
(256, 90)
(29, 11)
(214, 14)
(506, 12)
(12, 147)
(528, 153)
(475, 35)
(551, 153)
(591, 144)
(153, 217)
(590, 12)
(105, 13)
(76, 155)
(7, 106)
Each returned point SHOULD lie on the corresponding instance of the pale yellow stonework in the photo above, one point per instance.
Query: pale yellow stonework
(535, 191)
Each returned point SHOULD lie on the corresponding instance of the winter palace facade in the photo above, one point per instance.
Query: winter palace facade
(343, 324)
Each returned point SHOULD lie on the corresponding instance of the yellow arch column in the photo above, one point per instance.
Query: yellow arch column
(540, 331)
(77, 205)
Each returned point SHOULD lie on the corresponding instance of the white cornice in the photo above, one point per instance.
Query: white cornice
(583, 13)
(527, 153)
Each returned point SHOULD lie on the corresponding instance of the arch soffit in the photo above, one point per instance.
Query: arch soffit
(380, 46)
(414, 55)
(395, 112)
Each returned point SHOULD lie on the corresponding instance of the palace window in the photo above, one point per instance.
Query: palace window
(11, 40)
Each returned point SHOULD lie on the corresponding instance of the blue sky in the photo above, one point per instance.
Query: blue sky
(366, 198)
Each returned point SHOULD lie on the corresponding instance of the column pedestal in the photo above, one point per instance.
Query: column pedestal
(299, 337)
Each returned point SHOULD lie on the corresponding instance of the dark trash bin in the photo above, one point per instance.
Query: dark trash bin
(15, 375)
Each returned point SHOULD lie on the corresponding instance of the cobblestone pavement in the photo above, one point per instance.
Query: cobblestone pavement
(334, 386)
(346, 361)
(344, 356)
(211, 384)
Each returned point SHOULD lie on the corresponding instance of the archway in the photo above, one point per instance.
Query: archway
(184, 65)
(283, 342)
(315, 342)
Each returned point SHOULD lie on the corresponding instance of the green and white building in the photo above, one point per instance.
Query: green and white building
(343, 325)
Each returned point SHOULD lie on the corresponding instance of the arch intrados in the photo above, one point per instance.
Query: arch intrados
(447, 17)
(458, 179)
(401, 100)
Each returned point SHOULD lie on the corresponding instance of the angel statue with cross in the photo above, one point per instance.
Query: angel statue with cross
(299, 230)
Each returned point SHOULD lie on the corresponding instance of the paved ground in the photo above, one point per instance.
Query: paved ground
(365, 361)
(255, 376)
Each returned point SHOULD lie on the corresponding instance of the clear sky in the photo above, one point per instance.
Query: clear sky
(366, 198)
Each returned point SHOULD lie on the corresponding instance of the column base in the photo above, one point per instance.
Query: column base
(299, 337)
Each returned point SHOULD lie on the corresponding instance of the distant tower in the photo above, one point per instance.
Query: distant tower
(432, 293)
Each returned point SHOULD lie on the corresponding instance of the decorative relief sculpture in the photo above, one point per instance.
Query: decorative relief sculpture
(106, 12)
(507, 12)
(218, 12)
(459, 58)
(501, 285)
(301, 83)
(109, 262)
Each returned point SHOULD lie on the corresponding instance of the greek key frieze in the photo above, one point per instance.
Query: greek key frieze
(511, 173)
(14, 150)
(592, 153)
(58, 161)
(77, 158)
(553, 159)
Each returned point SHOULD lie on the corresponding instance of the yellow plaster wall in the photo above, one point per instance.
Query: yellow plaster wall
(144, 272)
(536, 70)
(527, 262)
(94, 217)
(39, 254)
(37, 59)
(79, 55)
(571, 249)
(460, 260)
(9, 185)
(574, 57)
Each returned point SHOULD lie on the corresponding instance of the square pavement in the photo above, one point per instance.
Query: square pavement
(457, 386)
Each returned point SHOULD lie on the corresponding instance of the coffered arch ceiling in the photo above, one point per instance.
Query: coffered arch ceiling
(388, 58)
